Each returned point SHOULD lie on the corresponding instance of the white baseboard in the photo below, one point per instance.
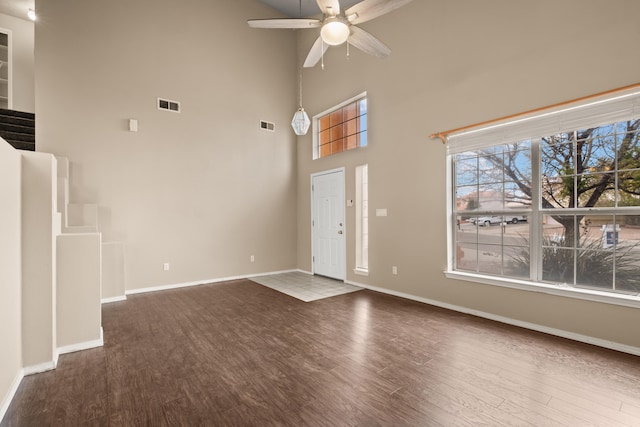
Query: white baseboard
(201, 282)
(42, 367)
(527, 325)
(83, 345)
(113, 299)
(4, 407)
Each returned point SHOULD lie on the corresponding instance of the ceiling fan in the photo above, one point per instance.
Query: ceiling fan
(337, 26)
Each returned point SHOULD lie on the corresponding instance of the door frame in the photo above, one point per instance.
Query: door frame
(343, 207)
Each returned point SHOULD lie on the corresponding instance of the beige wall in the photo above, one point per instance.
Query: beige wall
(113, 257)
(205, 189)
(10, 272)
(23, 62)
(456, 63)
(202, 190)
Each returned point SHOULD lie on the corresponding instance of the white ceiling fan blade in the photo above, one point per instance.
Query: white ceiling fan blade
(329, 7)
(317, 50)
(368, 43)
(368, 9)
(284, 23)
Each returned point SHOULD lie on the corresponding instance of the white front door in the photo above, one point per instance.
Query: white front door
(328, 227)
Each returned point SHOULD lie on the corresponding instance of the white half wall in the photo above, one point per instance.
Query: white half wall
(39, 188)
(10, 274)
(79, 318)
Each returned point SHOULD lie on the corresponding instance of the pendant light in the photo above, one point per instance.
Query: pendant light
(300, 122)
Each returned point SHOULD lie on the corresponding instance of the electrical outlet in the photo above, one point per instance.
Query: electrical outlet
(394, 270)
(165, 266)
(252, 258)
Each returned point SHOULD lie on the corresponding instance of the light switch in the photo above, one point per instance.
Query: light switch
(133, 125)
(381, 212)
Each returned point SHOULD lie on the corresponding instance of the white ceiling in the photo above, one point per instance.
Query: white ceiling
(17, 8)
(292, 8)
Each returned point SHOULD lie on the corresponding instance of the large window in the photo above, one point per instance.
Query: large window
(559, 208)
(342, 128)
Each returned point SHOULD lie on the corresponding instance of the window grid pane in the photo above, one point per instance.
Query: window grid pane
(584, 178)
(343, 129)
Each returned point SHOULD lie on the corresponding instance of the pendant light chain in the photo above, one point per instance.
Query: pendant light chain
(300, 84)
(300, 122)
(300, 67)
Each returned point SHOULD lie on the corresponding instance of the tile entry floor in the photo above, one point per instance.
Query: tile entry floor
(305, 287)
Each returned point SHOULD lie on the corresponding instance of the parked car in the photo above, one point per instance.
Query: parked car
(495, 219)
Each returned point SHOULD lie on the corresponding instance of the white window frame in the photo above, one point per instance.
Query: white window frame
(315, 121)
(619, 107)
(362, 220)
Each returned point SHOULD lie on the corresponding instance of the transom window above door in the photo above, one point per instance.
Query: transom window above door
(341, 128)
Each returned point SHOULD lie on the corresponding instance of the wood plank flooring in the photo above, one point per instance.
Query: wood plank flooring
(240, 354)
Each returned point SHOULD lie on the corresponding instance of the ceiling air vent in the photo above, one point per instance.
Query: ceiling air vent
(165, 104)
(264, 125)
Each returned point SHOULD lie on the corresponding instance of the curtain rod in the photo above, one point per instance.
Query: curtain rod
(444, 135)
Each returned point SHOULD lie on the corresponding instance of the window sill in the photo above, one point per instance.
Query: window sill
(361, 272)
(560, 290)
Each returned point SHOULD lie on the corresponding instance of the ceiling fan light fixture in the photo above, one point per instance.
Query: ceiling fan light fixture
(337, 26)
(335, 31)
(300, 122)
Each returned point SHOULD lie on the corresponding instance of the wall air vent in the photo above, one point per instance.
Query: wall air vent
(165, 104)
(264, 125)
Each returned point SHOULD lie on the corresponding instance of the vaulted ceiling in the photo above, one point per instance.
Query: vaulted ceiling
(291, 8)
(301, 8)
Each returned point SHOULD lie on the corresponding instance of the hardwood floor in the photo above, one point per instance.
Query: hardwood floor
(240, 354)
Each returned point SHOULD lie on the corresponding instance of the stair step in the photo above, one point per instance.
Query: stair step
(18, 121)
(16, 113)
(80, 229)
(18, 128)
(82, 215)
(13, 136)
(23, 145)
(26, 128)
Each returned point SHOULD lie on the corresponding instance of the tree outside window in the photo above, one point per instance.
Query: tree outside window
(582, 189)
